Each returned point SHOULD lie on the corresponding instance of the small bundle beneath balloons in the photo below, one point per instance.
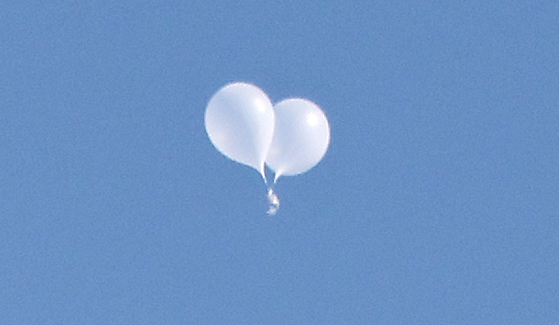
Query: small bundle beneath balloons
(290, 137)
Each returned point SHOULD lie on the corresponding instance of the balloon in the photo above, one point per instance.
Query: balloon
(301, 137)
(239, 121)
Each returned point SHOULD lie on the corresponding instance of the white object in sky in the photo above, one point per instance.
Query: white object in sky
(301, 137)
(273, 202)
(240, 122)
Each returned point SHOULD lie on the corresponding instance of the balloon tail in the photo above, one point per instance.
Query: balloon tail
(265, 180)
(273, 202)
(263, 174)
(276, 176)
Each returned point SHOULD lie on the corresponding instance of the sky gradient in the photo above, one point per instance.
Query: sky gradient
(436, 203)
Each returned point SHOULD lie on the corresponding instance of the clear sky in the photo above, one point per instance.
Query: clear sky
(437, 202)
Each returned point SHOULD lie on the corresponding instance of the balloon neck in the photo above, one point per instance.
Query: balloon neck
(263, 174)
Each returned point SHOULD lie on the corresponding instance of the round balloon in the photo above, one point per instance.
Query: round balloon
(239, 121)
(301, 137)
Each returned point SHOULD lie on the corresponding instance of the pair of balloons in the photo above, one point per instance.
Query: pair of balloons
(289, 137)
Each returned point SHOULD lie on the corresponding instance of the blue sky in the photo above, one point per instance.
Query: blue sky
(437, 202)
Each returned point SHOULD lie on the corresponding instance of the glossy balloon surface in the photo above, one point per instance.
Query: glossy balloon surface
(239, 121)
(301, 137)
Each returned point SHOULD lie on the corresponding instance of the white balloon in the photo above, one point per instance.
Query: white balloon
(301, 137)
(239, 121)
